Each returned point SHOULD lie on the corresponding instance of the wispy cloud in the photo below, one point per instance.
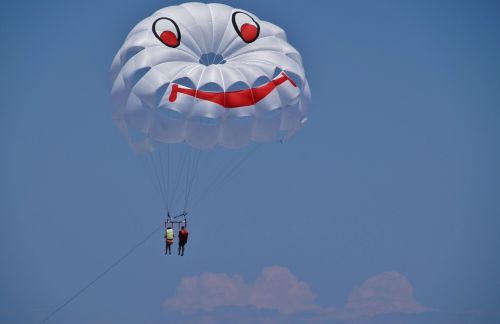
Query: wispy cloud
(278, 289)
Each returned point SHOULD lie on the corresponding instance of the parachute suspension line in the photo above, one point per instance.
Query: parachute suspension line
(158, 180)
(198, 158)
(221, 170)
(104, 272)
(188, 176)
(168, 176)
(234, 171)
(194, 171)
(149, 173)
(225, 177)
(193, 168)
(162, 179)
(188, 172)
(178, 175)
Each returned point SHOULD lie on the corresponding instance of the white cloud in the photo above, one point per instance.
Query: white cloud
(275, 289)
(384, 293)
(278, 289)
(388, 292)
(207, 291)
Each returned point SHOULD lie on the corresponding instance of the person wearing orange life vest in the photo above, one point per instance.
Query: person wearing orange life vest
(169, 240)
(183, 238)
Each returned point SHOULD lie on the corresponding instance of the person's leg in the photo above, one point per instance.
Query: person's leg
(166, 246)
(179, 250)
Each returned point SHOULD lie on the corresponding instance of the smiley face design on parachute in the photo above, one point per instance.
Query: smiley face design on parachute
(209, 74)
(168, 32)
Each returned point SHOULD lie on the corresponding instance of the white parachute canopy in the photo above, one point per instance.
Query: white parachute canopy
(207, 75)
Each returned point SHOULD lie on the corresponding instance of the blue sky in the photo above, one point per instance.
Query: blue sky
(391, 189)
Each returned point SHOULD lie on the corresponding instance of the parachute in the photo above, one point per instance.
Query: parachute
(195, 77)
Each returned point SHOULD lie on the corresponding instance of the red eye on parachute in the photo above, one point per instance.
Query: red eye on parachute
(246, 27)
(167, 31)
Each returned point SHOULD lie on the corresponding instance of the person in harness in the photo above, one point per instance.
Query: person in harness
(169, 240)
(183, 238)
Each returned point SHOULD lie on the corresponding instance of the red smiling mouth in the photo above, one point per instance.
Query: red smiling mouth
(232, 99)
